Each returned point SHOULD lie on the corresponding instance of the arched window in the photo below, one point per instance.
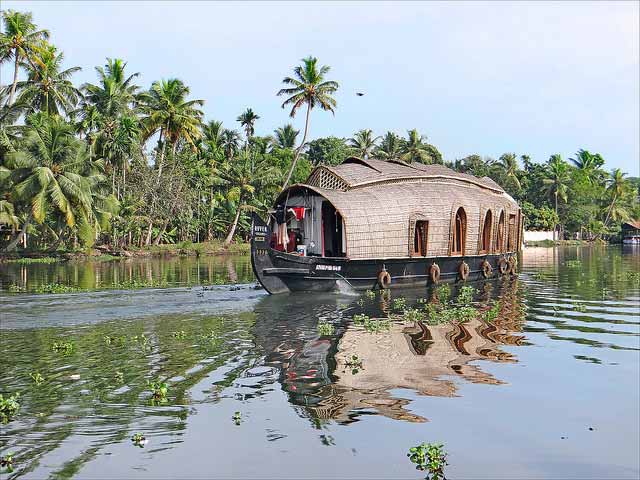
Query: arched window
(485, 239)
(459, 232)
(500, 234)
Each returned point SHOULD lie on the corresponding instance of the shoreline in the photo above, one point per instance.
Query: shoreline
(103, 253)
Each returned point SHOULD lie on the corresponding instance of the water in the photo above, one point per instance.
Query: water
(550, 388)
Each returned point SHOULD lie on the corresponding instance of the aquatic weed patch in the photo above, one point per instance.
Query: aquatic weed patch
(573, 263)
(66, 348)
(28, 261)
(9, 407)
(159, 391)
(139, 440)
(325, 329)
(430, 457)
(354, 364)
(37, 378)
(6, 462)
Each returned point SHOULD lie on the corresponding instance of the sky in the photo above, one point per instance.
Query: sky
(488, 78)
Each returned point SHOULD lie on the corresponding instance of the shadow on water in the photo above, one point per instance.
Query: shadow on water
(223, 349)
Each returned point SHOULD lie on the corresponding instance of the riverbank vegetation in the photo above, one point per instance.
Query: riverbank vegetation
(130, 167)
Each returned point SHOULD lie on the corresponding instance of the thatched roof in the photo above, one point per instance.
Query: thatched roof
(380, 202)
(355, 172)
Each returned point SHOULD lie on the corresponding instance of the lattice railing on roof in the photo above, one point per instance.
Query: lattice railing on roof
(323, 178)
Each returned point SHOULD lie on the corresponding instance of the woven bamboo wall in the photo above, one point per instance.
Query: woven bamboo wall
(377, 217)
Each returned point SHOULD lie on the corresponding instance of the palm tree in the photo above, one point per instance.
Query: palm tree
(53, 174)
(363, 143)
(285, 137)
(47, 87)
(390, 147)
(557, 181)
(247, 174)
(617, 190)
(589, 165)
(18, 42)
(166, 110)
(212, 132)
(309, 88)
(415, 148)
(247, 121)
(229, 142)
(115, 92)
(509, 163)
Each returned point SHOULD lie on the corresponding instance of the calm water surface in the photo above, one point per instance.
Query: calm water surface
(549, 389)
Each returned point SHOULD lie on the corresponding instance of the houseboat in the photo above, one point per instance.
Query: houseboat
(369, 223)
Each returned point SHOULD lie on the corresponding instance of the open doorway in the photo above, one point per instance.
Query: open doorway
(332, 231)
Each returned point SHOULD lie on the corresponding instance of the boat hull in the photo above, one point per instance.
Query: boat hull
(280, 272)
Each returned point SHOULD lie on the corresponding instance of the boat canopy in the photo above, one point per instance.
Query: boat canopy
(381, 203)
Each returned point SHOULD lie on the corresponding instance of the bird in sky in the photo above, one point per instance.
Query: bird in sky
(359, 94)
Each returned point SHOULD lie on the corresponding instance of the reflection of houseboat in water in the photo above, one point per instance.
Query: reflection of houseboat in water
(380, 223)
(314, 370)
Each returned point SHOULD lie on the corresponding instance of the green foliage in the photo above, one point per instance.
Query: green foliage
(7, 462)
(27, 261)
(158, 390)
(430, 457)
(37, 378)
(180, 334)
(237, 418)
(328, 151)
(370, 294)
(399, 303)
(16, 289)
(492, 313)
(413, 315)
(443, 293)
(9, 407)
(66, 348)
(139, 440)
(354, 364)
(538, 219)
(465, 297)
(573, 263)
(325, 328)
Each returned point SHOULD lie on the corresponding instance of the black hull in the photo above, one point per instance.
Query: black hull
(279, 272)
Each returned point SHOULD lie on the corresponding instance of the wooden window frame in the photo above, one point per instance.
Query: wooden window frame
(500, 243)
(512, 233)
(454, 236)
(482, 235)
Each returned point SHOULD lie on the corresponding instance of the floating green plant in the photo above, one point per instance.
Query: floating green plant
(465, 297)
(57, 288)
(113, 340)
(63, 347)
(325, 328)
(399, 303)
(7, 462)
(139, 440)
(377, 325)
(430, 457)
(37, 378)
(9, 407)
(573, 263)
(159, 391)
(355, 364)
(360, 318)
(237, 418)
(370, 294)
(413, 315)
(27, 261)
(16, 289)
(360, 302)
(492, 313)
(443, 292)
(579, 307)
(118, 376)
(180, 334)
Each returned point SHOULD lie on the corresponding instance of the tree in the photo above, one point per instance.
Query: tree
(363, 143)
(285, 137)
(245, 176)
(309, 88)
(18, 42)
(47, 87)
(416, 149)
(247, 121)
(557, 179)
(328, 151)
(390, 147)
(509, 164)
(618, 189)
(53, 175)
(115, 92)
(589, 165)
(167, 111)
(230, 142)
